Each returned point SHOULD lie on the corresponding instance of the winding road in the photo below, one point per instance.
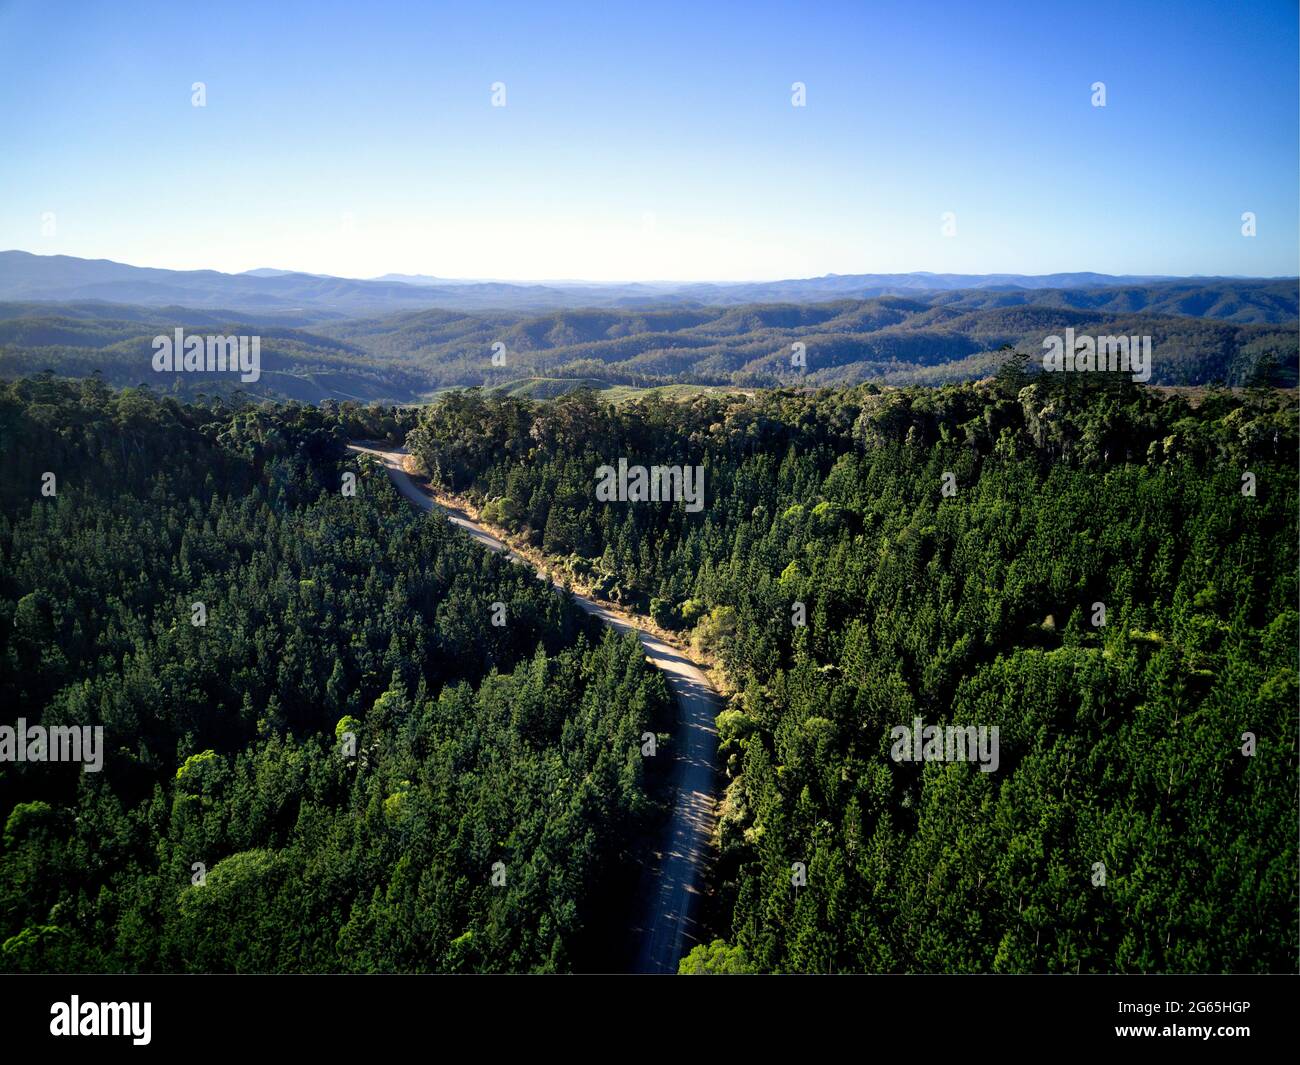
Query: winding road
(666, 926)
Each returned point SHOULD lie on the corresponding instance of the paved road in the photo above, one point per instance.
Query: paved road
(666, 926)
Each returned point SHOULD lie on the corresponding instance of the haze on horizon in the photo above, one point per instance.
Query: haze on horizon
(668, 285)
(654, 145)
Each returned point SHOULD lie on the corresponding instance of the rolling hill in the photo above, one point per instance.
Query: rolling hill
(324, 337)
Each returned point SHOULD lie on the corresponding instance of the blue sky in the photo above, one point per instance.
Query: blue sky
(653, 141)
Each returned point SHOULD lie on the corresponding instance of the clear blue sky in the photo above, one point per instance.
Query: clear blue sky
(653, 140)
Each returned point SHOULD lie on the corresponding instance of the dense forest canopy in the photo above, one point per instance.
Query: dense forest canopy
(948, 551)
(346, 766)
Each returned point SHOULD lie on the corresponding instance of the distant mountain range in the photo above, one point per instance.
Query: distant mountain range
(281, 295)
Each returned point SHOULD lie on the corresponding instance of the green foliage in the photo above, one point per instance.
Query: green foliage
(25, 820)
(712, 631)
(716, 959)
(1119, 744)
(663, 612)
(196, 768)
(325, 614)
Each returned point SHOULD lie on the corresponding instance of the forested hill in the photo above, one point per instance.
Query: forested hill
(1107, 576)
(942, 338)
(320, 753)
(1201, 333)
(66, 278)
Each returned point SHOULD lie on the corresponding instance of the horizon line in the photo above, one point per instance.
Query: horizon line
(396, 275)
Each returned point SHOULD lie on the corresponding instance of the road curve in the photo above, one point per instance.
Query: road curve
(667, 925)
